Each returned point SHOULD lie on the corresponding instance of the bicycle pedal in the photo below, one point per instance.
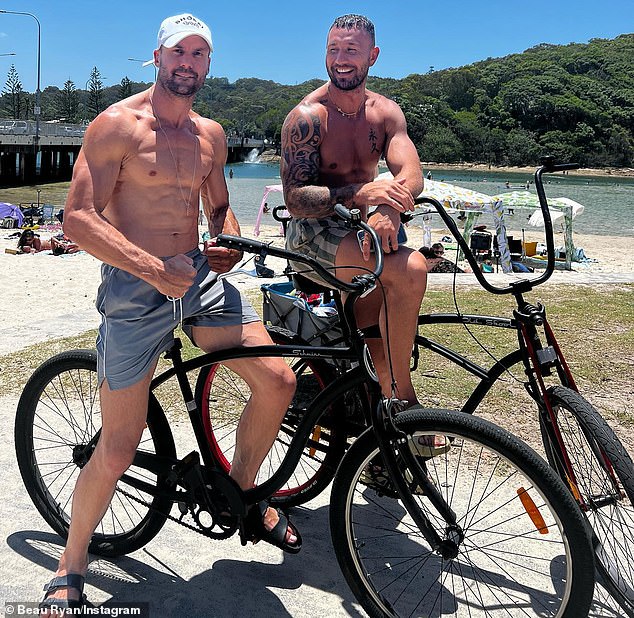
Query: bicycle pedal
(180, 468)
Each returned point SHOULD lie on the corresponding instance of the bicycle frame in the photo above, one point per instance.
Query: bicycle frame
(538, 361)
(335, 390)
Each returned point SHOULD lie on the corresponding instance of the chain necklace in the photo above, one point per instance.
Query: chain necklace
(169, 146)
(348, 114)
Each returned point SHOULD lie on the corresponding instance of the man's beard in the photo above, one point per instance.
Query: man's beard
(348, 83)
(186, 89)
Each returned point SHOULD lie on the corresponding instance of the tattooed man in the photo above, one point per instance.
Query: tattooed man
(331, 143)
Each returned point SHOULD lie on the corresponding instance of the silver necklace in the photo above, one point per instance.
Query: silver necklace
(169, 146)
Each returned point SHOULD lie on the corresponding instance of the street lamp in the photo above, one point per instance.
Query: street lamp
(8, 54)
(37, 109)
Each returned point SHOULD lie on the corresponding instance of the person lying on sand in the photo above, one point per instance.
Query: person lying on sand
(30, 242)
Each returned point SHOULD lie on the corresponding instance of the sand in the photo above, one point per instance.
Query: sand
(43, 296)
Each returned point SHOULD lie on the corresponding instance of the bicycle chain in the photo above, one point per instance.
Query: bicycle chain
(217, 536)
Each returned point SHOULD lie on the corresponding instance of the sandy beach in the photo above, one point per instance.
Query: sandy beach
(45, 296)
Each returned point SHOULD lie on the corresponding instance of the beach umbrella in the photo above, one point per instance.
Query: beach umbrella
(459, 198)
(537, 218)
(556, 205)
(267, 189)
(559, 207)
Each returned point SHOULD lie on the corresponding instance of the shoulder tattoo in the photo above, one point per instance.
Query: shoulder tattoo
(301, 137)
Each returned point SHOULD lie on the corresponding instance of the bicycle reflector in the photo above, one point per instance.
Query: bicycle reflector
(315, 437)
(533, 512)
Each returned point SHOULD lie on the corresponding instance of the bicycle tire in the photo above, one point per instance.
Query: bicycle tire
(58, 414)
(586, 436)
(327, 443)
(503, 566)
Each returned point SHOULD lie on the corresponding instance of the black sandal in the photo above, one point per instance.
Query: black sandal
(252, 529)
(72, 581)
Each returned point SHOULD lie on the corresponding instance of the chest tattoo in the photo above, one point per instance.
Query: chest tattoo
(372, 138)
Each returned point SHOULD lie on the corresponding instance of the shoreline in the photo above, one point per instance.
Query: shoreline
(609, 172)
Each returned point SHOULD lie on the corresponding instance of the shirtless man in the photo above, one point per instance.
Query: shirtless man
(134, 200)
(331, 144)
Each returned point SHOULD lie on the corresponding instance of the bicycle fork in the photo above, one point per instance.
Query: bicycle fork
(393, 443)
(539, 362)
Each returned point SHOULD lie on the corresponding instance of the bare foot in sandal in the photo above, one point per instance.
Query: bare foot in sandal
(428, 446)
(265, 523)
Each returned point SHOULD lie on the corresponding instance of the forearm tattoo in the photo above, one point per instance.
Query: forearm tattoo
(217, 218)
(301, 140)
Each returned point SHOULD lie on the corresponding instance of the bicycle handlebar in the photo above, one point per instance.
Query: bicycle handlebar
(523, 285)
(359, 283)
(278, 217)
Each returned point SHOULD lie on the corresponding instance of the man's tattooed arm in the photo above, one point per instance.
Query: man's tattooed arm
(304, 197)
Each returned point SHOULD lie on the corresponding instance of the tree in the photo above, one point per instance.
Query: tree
(95, 92)
(69, 102)
(125, 88)
(12, 94)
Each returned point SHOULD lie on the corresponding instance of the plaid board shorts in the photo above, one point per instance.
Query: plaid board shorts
(319, 238)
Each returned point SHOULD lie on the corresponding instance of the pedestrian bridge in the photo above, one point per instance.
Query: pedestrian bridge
(29, 155)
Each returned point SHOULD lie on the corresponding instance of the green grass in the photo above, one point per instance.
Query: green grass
(594, 327)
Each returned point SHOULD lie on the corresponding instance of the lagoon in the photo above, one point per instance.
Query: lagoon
(608, 201)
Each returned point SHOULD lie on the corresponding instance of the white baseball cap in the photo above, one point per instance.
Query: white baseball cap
(174, 29)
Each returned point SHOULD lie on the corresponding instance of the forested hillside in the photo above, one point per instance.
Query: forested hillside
(574, 101)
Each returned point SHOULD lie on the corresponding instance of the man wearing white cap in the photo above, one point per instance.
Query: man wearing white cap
(134, 200)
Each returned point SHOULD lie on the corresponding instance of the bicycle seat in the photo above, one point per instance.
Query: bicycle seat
(308, 286)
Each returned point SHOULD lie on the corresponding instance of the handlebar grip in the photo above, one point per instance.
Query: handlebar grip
(240, 244)
(353, 214)
(278, 217)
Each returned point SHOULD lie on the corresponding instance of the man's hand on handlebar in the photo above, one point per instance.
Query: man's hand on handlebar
(220, 259)
(386, 222)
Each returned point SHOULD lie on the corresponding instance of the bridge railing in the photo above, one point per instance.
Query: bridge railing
(60, 129)
(27, 127)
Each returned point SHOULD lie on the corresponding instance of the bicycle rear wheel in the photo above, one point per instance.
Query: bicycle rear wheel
(57, 418)
(521, 544)
(604, 475)
(221, 396)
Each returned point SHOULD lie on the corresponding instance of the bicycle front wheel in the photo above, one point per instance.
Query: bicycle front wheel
(520, 543)
(57, 419)
(222, 395)
(604, 486)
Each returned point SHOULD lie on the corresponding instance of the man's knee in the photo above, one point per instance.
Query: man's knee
(114, 458)
(407, 271)
(277, 379)
(285, 377)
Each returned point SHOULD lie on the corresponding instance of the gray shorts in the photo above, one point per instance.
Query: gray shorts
(319, 238)
(138, 321)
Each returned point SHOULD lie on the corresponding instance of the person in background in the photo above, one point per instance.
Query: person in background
(29, 242)
(436, 262)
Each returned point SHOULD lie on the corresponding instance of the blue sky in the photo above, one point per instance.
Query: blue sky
(284, 40)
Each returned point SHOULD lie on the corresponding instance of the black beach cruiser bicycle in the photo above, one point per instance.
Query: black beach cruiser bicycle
(485, 529)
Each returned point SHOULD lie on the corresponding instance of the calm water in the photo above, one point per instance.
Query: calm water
(609, 202)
